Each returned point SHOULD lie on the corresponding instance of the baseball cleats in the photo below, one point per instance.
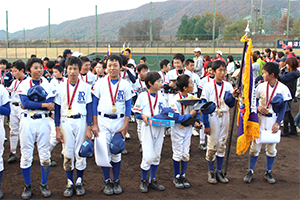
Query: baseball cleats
(269, 178)
(212, 177)
(79, 189)
(195, 132)
(168, 131)
(124, 152)
(1, 193)
(27, 192)
(202, 146)
(53, 163)
(45, 190)
(108, 187)
(249, 176)
(155, 185)
(127, 136)
(117, 187)
(185, 182)
(69, 190)
(178, 184)
(144, 186)
(12, 158)
(221, 177)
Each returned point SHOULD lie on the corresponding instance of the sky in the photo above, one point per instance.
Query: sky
(30, 14)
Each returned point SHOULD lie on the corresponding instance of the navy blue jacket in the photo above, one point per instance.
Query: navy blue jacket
(290, 80)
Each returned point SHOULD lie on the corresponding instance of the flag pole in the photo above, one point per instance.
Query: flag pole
(247, 30)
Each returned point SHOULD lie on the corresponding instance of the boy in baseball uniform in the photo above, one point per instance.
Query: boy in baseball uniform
(164, 69)
(148, 104)
(6, 77)
(18, 69)
(181, 135)
(111, 113)
(85, 74)
(35, 126)
(217, 123)
(270, 117)
(57, 75)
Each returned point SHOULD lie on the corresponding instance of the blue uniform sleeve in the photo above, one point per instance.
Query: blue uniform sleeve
(182, 118)
(5, 109)
(198, 116)
(205, 116)
(57, 114)
(50, 100)
(89, 116)
(131, 76)
(95, 105)
(281, 113)
(128, 108)
(138, 116)
(229, 100)
(27, 104)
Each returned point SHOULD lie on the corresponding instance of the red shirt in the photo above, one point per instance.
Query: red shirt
(292, 54)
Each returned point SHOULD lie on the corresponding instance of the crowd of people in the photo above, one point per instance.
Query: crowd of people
(73, 100)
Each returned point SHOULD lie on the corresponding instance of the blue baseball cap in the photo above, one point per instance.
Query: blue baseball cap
(86, 148)
(37, 94)
(277, 103)
(166, 113)
(210, 108)
(117, 144)
(66, 51)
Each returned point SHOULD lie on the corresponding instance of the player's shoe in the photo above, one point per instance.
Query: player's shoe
(178, 184)
(124, 152)
(269, 178)
(108, 187)
(202, 146)
(195, 132)
(221, 177)
(53, 163)
(1, 193)
(127, 136)
(117, 187)
(184, 181)
(45, 190)
(168, 131)
(79, 189)
(12, 158)
(249, 176)
(69, 190)
(144, 186)
(27, 192)
(155, 185)
(212, 177)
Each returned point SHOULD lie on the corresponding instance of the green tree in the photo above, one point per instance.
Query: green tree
(283, 23)
(236, 30)
(182, 30)
(296, 28)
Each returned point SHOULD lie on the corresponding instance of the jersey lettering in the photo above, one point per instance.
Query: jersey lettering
(81, 97)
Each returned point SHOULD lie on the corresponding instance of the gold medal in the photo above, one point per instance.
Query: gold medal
(69, 114)
(181, 127)
(31, 113)
(268, 110)
(218, 111)
(114, 110)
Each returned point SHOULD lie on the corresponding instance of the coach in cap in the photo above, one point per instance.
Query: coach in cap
(67, 53)
(289, 51)
(198, 62)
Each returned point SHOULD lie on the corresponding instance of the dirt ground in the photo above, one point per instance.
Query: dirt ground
(285, 171)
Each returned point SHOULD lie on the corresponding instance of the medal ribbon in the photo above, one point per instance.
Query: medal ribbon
(268, 101)
(73, 95)
(208, 79)
(150, 103)
(86, 77)
(62, 80)
(163, 75)
(113, 99)
(16, 86)
(141, 84)
(216, 92)
(31, 82)
(123, 74)
(177, 72)
(182, 110)
(2, 78)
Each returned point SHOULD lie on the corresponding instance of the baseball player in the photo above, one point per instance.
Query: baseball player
(147, 105)
(57, 75)
(18, 69)
(138, 87)
(35, 127)
(270, 117)
(217, 123)
(85, 74)
(4, 110)
(100, 69)
(181, 135)
(6, 77)
(73, 121)
(125, 72)
(111, 113)
(164, 69)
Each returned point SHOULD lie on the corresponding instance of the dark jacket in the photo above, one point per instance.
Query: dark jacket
(290, 80)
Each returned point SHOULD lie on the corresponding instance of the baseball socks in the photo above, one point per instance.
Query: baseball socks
(182, 174)
(1, 193)
(268, 173)
(116, 168)
(79, 189)
(249, 176)
(219, 173)
(79, 176)
(211, 173)
(153, 182)
(107, 184)
(144, 182)
(27, 175)
(44, 173)
(177, 181)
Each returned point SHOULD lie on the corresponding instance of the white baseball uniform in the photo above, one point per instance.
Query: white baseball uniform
(219, 123)
(56, 82)
(181, 136)
(4, 99)
(163, 81)
(266, 123)
(35, 130)
(124, 75)
(73, 129)
(152, 137)
(107, 125)
(171, 75)
(196, 80)
(88, 78)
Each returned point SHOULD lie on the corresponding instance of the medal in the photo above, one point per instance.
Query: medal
(218, 111)
(31, 114)
(113, 99)
(73, 95)
(181, 127)
(268, 101)
(218, 96)
(150, 103)
(182, 110)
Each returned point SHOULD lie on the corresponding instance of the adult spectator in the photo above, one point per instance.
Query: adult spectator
(128, 55)
(259, 61)
(198, 62)
(67, 53)
(289, 51)
(219, 56)
(207, 59)
(230, 68)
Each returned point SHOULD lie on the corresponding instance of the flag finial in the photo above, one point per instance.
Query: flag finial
(247, 30)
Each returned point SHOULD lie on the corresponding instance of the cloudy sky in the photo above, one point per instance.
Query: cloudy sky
(29, 14)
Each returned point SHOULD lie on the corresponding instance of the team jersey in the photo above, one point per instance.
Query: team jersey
(101, 91)
(88, 78)
(173, 74)
(163, 79)
(25, 86)
(97, 77)
(209, 94)
(139, 86)
(4, 97)
(142, 104)
(204, 80)
(124, 75)
(196, 80)
(177, 107)
(14, 89)
(82, 97)
(261, 92)
(56, 82)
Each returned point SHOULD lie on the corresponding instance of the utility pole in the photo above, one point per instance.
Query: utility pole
(251, 6)
(6, 32)
(150, 31)
(214, 25)
(48, 27)
(261, 8)
(96, 27)
(288, 21)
